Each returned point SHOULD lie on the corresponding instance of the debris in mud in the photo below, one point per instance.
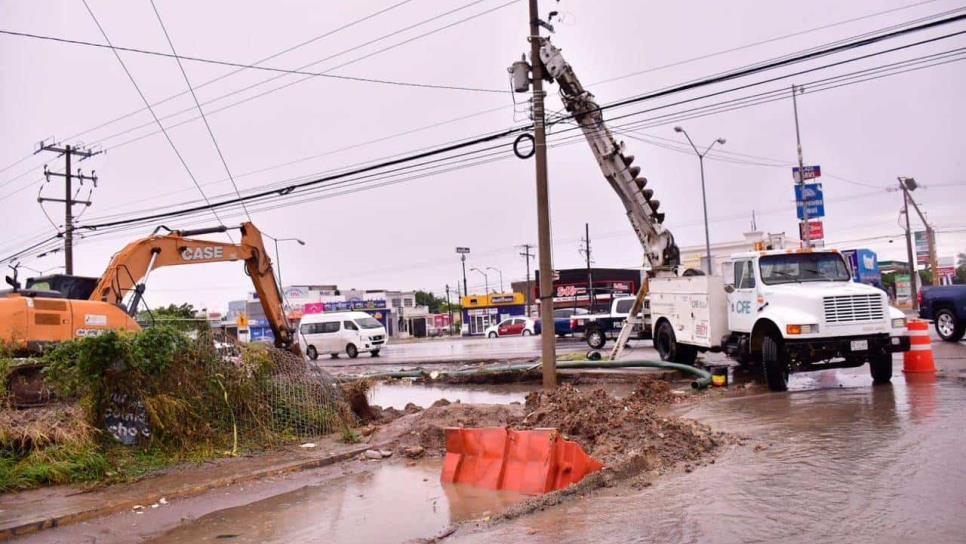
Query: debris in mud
(610, 428)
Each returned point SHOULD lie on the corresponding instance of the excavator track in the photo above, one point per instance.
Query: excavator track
(24, 384)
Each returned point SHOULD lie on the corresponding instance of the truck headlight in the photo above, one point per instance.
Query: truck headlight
(899, 323)
(802, 329)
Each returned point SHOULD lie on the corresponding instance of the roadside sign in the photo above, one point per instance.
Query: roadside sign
(811, 172)
(815, 198)
(462, 250)
(922, 247)
(816, 230)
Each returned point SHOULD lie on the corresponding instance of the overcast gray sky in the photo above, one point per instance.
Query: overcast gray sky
(403, 236)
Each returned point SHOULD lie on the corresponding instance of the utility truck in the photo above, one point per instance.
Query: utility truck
(790, 310)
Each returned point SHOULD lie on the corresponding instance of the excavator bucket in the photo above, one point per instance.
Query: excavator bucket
(530, 462)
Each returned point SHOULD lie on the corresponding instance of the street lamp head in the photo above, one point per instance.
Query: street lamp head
(678, 129)
(301, 242)
(721, 141)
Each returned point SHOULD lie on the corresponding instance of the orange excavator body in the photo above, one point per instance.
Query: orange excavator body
(29, 320)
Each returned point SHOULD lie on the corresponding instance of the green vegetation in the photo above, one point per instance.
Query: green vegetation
(174, 398)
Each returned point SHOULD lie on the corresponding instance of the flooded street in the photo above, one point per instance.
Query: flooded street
(398, 394)
(392, 503)
(841, 464)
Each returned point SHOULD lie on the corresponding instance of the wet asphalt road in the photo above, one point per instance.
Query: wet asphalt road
(842, 462)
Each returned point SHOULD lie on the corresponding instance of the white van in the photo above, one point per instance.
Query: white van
(341, 332)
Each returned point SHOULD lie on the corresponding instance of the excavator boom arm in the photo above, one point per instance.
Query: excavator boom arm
(135, 262)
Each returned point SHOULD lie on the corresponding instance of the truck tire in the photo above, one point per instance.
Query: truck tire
(880, 366)
(352, 351)
(312, 353)
(670, 349)
(596, 338)
(948, 327)
(774, 365)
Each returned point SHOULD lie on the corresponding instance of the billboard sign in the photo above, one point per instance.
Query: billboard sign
(462, 250)
(816, 231)
(813, 196)
(811, 172)
(922, 247)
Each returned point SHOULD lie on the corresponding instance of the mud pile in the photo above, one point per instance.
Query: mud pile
(610, 428)
(426, 428)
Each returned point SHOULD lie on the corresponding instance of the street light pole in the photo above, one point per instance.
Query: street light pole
(806, 230)
(486, 280)
(905, 184)
(501, 276)
(278, 260)
(704, 198)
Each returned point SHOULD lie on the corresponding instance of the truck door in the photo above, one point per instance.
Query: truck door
(741, 301)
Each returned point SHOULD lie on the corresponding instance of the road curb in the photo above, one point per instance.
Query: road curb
(21, 528)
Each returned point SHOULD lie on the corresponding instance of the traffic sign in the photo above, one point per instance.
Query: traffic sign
(462, 250)
(814, 196)
(922, 246)
(811, 172)
(816, 230)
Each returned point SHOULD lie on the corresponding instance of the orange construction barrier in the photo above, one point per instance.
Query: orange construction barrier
(919, 358)
(531, 462)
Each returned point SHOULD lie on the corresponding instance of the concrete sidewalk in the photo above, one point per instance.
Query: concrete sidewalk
(30, 511)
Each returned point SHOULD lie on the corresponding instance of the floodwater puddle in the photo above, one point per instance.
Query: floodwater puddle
(391, 503)
(832, 463)
(398, 394)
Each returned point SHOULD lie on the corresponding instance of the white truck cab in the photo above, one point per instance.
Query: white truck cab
(790, 310)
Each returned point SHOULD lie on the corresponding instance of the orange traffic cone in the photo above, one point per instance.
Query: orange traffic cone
(919, 358)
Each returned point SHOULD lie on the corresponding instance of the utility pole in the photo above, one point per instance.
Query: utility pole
(590, 277)
(526, 257)
(806, 231)
(450, 308)
(70, 198)
(913, 280)
(548, 338)
(907, 185)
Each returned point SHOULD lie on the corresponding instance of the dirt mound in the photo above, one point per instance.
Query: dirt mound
(610, 428)
(425, 428)
(654, 391)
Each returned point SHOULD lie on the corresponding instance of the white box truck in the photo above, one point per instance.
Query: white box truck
(789, 310)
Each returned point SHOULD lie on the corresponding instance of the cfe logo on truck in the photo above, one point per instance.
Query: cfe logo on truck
(202, 253)
(742, 307)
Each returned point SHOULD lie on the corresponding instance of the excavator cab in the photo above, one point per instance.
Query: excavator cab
(61, 286)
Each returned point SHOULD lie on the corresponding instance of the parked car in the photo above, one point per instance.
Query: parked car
(600, 327)
(351, 333)
(514, 326)
(564, 320)
(945, 305)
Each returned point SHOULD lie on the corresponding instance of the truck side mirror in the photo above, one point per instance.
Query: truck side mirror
(729, 288)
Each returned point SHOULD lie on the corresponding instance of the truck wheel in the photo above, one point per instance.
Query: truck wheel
(312, 353)
(596, 338)
(670, 349)
(776, 370)
(352, 351)
(492, 335)
(880, 366)
(948, 327)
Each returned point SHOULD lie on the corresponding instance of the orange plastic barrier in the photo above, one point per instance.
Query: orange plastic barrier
(531, 462)
(919, 358)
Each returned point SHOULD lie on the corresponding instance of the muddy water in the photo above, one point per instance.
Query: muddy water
(398, 394)
(392, 503)
(842, 465)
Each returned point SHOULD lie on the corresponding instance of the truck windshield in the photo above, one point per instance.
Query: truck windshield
(368, 323)
(800, 267)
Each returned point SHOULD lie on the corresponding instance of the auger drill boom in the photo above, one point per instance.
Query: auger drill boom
(660, 251)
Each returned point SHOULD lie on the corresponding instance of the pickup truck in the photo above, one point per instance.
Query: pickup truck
(946, 306)
(598, 328)
(785, 310)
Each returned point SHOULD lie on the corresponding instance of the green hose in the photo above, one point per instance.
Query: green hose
(703, 376)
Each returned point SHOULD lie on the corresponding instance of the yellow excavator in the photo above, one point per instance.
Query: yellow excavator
(57, 308)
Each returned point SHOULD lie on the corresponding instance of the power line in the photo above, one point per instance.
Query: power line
(150, 109)
(251, 66)
(200, 110)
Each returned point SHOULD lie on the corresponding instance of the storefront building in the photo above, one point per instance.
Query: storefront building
(481, 311)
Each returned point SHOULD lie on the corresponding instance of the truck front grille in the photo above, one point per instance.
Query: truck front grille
(853, 308)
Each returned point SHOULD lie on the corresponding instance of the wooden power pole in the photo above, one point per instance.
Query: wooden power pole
(69, 199)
